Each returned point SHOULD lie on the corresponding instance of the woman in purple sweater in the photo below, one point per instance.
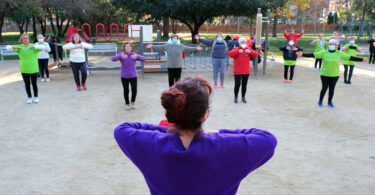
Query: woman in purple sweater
(184, 159)
(128, 60)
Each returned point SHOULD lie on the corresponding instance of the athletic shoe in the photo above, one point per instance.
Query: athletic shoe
(222, 85)
(84, 86)
(78, 88)
(349, 82)
(244, 100)
(285, 81)
(215, 85)
(290, 81)
(42, 79)
(132, 105)
(29, 100)
(127, 107)
(330, 104)
(36, 100)
(314, 69)
(346, 82)
(47, 79)
(235, 100)
(320, 104)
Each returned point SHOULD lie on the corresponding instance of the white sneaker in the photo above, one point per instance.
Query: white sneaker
(132, 105)
(29, 100)
(36, 100)
(47, 79)
(314, 69)
(42, 79)
(127, 107)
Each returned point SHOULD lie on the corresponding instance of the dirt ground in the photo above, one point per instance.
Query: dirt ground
(65, 144)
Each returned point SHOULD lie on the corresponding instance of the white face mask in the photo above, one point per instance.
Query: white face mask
(291, 43)
(243, 46)
(40, 40)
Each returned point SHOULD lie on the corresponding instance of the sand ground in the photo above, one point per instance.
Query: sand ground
(65, 144)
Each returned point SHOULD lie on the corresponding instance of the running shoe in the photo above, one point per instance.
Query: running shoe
(29, 100)
(330, 104)
(36, 100)
(320, 104)
(84, 86)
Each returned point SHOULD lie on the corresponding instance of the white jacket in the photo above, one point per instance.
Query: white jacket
(77, 54)
(44, 54)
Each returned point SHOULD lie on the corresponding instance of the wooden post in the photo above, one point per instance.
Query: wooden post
(266, 41)
(141, 50)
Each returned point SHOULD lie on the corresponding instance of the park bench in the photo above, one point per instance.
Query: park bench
(104, 48)
(4, 52)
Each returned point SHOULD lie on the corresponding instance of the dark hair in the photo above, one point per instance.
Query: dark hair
(72, 38)
(186, 102)
(126, 43)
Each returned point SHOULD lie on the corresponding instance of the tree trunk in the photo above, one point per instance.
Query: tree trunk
(274, 32)
(51, 22)
(42, 23)
(174, 30)
(35, 32)
(2, 16)
(66, 28)
(27, 26)
(165, 27)
(363, 20)
(20, 27)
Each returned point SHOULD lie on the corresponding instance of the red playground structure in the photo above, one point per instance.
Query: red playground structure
(89, 37)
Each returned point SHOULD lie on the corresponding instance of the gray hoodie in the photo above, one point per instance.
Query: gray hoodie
(174, 53)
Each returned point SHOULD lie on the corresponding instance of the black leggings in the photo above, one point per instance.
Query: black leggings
(76, 67)
(372, 57)
(174, 75)
(351, 68)
(43, 67)
(291, 72)
(318, 61)
(33, 78)
(133, 84)
(328, 82)
(238, 80)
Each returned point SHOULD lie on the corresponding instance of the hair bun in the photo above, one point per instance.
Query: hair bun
(173, 100)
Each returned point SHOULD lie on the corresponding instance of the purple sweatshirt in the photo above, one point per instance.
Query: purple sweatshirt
(213, 164)
(128, 69)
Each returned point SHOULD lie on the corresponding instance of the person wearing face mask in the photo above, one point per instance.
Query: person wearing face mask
(338, 39)
(330, 72)
(320, 45)
(241, 67)
(371, 43)
(351, 49)
(290, 58)
(174, 50)
(28, 54)
(43, 58)
(219, 55)
(292, 35)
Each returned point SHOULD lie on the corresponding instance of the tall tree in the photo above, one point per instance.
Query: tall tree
(193, 13)
(6, 7)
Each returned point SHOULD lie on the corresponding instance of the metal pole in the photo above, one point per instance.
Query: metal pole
(258, 38)
(266, 42)
(141, 50)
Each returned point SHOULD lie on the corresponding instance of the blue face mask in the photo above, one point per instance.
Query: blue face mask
(219, 39)
(331, 47)
(174, 41)
(351, 42)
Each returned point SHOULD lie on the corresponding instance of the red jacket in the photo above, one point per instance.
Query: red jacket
(241, 61)
(295, 36)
